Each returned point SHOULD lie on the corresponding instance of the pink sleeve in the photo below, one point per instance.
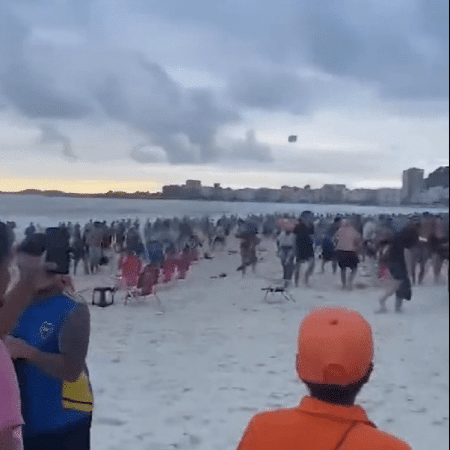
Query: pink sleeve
(10, 414)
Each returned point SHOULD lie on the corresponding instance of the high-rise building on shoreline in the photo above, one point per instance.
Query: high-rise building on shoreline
(413, 184)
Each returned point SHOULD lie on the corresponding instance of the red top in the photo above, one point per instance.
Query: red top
(317, 425)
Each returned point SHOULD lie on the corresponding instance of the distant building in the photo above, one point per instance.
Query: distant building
(438, 178)
(415, 190)
(195, 185)
(208, 192)
(436, 195)
(172, 191)
(333, 193)
(413, 184)
(388, 197)
(361, 196)
(245, 195)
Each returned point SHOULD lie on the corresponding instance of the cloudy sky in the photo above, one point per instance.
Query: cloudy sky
(134, 94)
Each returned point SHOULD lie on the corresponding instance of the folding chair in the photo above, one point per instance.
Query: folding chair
(147, 281)
(278, 290)
(130, 269)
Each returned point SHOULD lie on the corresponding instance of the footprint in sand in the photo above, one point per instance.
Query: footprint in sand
(110, 421)
(420, 410)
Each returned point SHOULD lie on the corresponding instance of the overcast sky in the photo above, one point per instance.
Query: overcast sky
(134, 94)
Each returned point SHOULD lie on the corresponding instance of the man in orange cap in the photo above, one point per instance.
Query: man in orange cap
(335, 360)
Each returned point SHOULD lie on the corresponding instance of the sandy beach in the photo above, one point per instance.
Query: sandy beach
(192, 377)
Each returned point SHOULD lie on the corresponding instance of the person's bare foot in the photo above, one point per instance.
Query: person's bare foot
(382, 309)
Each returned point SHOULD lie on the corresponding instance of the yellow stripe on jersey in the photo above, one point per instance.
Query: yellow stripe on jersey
(78, 395)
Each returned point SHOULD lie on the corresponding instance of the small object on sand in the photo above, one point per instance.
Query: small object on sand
(221, 275)
(232, 252)
(102, 291)
(207, 256)
(278, 289)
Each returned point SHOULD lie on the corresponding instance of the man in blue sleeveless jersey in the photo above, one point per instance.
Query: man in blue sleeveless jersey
(49, 345)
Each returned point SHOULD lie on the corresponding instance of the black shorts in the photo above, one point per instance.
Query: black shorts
(76, 437)
(398, 272)
(347, 258)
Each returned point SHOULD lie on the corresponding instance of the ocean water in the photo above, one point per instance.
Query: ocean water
(48, 211)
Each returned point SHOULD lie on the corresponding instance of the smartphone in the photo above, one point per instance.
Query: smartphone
(5, 242)
(34, 244)
(58, 249)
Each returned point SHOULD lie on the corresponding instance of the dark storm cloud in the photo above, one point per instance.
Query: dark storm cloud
(56, 12)
(269, 90)
(142, 153)
(12, 34)
(125, 86)
(249, 149)
(50, 135)
(402, 47)
(401, 51)
(35, 97)
(182, 121)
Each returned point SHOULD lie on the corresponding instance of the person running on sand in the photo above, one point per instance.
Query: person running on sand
(393, 256)
(286, 252)
(334, 360)
(247, 248)
(349, 243)
(304, 250)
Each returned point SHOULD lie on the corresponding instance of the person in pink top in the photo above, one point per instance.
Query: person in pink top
(348, 244)
(33, 276)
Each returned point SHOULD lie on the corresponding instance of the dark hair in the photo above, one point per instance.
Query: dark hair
(5, 242)
(339, 395)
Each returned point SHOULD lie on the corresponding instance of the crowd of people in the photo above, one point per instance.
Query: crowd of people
(396, 248)
(393, 246)
(45, 395)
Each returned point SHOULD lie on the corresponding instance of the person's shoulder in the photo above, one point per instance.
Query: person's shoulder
(76, 303)
(374, 438)
(73, 297)
(284, 416)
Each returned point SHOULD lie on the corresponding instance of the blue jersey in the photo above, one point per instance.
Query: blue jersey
(42, 406)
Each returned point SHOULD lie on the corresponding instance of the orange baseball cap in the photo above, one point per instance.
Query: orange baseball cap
(335, 346)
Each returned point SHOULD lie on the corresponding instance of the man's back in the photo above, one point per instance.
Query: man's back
(317, 425)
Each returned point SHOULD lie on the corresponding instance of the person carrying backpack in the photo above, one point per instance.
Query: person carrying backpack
(334, 360)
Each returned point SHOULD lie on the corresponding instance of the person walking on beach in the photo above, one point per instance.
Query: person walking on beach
(304, 250)
(349, 243)
(286, 252)
(247, 247)
(334, 360)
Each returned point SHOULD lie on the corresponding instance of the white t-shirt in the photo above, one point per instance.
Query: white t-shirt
(286, 240)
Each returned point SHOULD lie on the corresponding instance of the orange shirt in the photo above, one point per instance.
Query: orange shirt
(317, 425)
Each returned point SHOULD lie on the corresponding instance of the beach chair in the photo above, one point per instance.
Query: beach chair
(130, 267)
(145, 287)
(169, 267)
(183, 261)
